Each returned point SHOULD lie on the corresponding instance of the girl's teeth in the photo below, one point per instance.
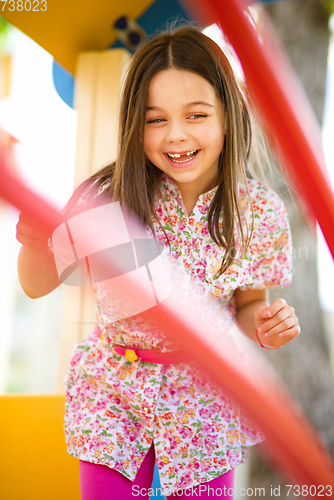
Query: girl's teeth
(177, 155)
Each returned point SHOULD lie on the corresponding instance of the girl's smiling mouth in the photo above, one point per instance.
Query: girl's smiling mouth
(183, 156)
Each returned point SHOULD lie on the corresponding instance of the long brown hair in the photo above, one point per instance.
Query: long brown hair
(134, 179)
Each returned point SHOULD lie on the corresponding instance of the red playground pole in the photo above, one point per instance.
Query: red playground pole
(280, 99)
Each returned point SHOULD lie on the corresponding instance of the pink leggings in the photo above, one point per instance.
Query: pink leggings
(98, 482)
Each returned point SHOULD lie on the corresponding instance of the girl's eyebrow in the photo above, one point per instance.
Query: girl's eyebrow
(188, 105)
(199, 103)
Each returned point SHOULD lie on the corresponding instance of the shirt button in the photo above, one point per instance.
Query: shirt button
(146, 410)
(183, 252)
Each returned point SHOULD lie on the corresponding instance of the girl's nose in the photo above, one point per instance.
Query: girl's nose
(176, 132)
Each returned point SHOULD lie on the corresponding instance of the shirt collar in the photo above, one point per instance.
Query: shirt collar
(174, 190)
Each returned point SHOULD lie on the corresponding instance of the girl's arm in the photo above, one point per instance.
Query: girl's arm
(36, 265)
(276, 324)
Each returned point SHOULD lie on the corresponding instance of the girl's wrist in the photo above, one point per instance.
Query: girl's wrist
(245, 318)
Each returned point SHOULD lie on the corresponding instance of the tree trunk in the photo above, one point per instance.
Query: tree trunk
(304, 364)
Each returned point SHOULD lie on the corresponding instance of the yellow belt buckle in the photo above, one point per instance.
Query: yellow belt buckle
(103, 339)
(130, 355)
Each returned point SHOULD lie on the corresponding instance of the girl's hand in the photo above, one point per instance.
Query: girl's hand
(277, 324)
(30, 233)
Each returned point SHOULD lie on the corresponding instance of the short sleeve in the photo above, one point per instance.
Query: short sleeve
(270, 250)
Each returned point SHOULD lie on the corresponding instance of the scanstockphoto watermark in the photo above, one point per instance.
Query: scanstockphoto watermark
(300, 253)
(277, 257)
(201, 490)
(88, 253)
(205, 490)
(296, 252)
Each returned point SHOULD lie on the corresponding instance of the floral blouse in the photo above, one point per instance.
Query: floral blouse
(115, 409)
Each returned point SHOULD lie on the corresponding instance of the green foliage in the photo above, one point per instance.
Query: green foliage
(5, 27)
(5, 31)
(329, 6)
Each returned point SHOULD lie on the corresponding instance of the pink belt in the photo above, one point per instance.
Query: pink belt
(147, 355)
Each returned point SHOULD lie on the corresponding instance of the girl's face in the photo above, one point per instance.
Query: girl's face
(184, 131)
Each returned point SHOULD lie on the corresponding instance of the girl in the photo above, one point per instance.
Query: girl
(184, 143)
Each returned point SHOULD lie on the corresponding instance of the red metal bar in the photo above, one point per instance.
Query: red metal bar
(281, 101)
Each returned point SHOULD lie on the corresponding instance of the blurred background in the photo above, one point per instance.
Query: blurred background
(43, 129)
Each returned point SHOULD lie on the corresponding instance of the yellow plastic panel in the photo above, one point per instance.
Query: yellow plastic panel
(5, 75)
(34, 464)
(68, 27)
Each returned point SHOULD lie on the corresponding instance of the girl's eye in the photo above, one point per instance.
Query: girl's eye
(156, 120)
(196, 116)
